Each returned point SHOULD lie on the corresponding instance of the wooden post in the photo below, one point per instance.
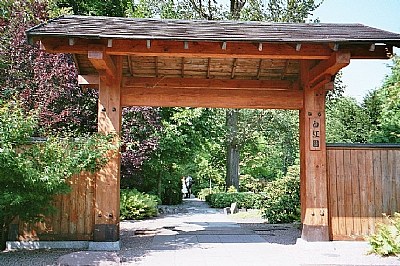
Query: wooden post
(108, 179)
(314, 183)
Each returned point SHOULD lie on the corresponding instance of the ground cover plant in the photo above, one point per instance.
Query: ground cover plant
(135, 205)
(386, 240)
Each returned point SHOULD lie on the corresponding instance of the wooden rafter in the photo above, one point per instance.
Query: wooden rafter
(76, 62)
(208, 67)
(130, 65)
(182, 67)
(284, 72)
(259, 69)
(156, 65)
(234, 65)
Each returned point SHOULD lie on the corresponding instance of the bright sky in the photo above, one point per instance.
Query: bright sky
(362, 76)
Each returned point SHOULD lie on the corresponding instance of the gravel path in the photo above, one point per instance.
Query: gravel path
(194, 234)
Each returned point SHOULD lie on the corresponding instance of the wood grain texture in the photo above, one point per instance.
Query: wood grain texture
(70, 221)
(367, 185)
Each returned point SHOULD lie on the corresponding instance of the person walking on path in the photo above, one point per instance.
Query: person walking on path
(189, 183)
(184, 188)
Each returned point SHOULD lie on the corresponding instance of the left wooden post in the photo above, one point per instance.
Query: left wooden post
(107, 185)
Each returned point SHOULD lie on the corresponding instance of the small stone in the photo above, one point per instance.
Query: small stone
(234, 208)
(227, 210)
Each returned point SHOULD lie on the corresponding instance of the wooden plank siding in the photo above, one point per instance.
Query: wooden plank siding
(73, 219)
(364, 183)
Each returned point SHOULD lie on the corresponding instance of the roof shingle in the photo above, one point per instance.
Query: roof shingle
(204, 30)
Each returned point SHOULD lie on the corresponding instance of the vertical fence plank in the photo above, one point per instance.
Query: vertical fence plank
(57, 215)
(348, 193)
(73, 215)
(397, 176)
(355, 187)
(369, 173)
(340, 185)
(89, 205)
(392, 182)
(333, 203)
(386, 183)
(80, 226)
(363, 192)
(378, 184)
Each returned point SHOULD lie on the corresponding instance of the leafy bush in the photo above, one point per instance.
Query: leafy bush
(205, 192)
(225, 199)
(249, 183)
(137, 205)
(31, 174)
(282, 201)
(386, 241)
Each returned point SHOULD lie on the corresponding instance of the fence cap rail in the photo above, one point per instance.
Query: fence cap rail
(364, 145)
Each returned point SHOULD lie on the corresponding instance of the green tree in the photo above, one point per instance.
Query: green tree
(31, 174)
(388, 101)
(346, 121)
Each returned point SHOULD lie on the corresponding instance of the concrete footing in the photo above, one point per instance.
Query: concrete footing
(86, 245)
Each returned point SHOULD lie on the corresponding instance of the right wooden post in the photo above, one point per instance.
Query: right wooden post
(313, 177)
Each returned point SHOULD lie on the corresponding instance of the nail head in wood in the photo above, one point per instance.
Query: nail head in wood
(223, 46)
(372, 47)
(336, 47)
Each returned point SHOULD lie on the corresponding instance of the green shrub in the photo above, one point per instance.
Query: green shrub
(31, 174)
(249, 183)
(205, 192)
(225, 199)
(386, 241)
(137, 205)
(282, 201)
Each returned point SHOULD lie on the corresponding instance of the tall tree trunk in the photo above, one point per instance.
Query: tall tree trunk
(3, 235)
(233, 151)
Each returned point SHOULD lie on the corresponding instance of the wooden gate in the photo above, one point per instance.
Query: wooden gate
(363, 183)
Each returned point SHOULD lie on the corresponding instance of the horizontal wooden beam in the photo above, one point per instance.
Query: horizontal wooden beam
(212, 98)
(329, 67)
(195, 49)
(316, 51)
(197, 83)
(362, 51)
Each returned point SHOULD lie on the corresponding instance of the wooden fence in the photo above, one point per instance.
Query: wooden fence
(73, 220)
(364, 182)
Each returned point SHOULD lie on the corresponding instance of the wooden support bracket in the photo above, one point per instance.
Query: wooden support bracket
(328, 67)
(101, 61)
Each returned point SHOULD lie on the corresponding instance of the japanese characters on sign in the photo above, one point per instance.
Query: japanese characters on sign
(315, 134)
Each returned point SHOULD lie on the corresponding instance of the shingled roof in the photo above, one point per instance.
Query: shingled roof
(203, 30)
